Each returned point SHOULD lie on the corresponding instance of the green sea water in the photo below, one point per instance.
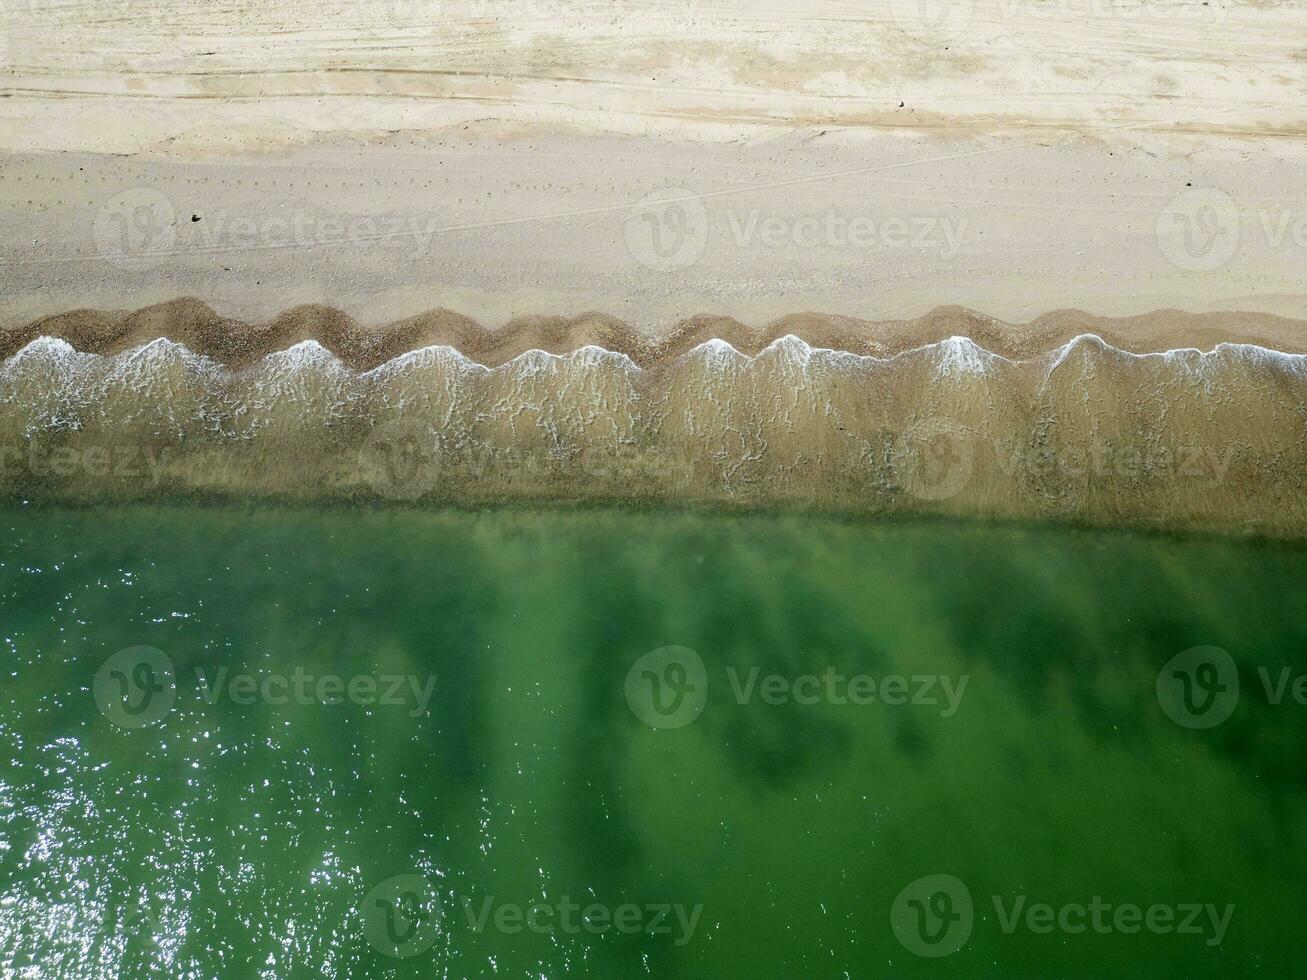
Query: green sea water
(615, 744)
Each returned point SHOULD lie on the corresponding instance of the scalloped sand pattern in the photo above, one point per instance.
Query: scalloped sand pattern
(1082, 431)
(236, 343)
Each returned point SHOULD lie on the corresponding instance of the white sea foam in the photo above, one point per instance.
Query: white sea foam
(793, 423)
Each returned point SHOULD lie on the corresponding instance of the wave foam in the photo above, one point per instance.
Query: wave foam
(1085, 431)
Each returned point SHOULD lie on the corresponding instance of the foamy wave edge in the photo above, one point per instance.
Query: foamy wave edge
(958, 351)
(1086, 431)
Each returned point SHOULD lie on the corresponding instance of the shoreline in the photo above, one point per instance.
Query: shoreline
(1083, 433)
(277, 508)
(236, 344)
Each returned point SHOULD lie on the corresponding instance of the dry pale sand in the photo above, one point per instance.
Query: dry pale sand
(655, 161)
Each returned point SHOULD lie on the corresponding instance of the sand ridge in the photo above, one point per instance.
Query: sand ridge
(235, 343)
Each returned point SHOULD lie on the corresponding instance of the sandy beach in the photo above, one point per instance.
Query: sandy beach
(906, 258)
(655, 162)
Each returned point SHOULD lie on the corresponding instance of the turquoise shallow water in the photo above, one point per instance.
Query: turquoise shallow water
(521, 816)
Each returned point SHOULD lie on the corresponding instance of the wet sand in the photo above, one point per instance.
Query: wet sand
(234, 343)
(1085, 433)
